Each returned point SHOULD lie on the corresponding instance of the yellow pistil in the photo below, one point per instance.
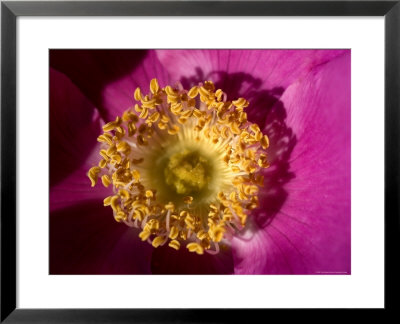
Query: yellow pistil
(186, 172)
(184, 166)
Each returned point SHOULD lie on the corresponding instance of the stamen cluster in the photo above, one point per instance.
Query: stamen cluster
(200, 120)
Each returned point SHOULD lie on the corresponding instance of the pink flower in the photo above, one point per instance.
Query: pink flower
(299, 98)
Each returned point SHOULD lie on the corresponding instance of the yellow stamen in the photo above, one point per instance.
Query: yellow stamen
(138, 94)
(193, 92)
(195, 247)
(149, 194)
(174, 244)
(174, 130)
(105, 179)
(144, 235)
(188, 199)
(264, 142)
(154, 87)
(157, 241)
(93, 175)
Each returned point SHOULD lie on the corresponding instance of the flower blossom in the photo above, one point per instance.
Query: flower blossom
(225, 161)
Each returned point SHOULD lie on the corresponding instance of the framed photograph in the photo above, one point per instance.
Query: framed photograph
(227, 156)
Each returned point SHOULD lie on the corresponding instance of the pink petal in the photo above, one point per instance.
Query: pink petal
(85, 239)
(303, 225)
(118, 95)
(239, 72)
(74, 127)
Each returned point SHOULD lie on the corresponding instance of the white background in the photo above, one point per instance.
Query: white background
(363, 288)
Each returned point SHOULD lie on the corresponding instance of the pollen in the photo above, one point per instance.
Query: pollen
(182, 166)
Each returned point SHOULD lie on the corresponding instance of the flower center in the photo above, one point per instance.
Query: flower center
(187, 173)
(184, 168)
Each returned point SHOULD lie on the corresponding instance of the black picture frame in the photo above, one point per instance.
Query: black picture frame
(9, 13)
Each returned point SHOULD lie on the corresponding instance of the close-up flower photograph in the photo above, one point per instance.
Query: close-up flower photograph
(206, 161)
(198, 161)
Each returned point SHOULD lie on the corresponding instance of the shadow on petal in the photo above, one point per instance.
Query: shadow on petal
(85, 239)
(74, 127)
(93, 70)
(166, 260)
